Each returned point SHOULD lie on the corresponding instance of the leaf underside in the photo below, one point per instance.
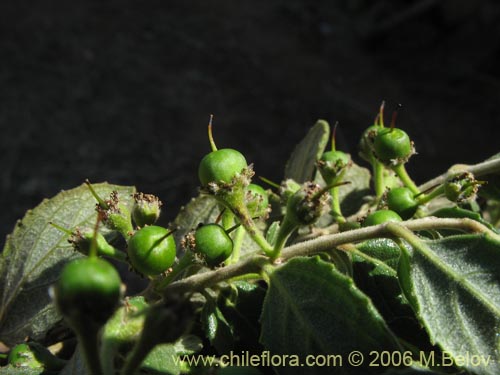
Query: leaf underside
(302, 162)
(34, 255)
(311, 308)
(456, 286)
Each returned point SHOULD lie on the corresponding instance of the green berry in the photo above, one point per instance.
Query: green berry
(213, 243)
(402, 201)
(146, 209)
(151, 250)
(380, 217)
(257, 200)
(89, 289)
(221, 166)
(333, 165)
(392, 146)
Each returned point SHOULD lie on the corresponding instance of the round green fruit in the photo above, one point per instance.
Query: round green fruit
(392, 146)
(89, 289)
(151, 250)
(402, 201)
(221, 166)
(380, 217)
(213, 243)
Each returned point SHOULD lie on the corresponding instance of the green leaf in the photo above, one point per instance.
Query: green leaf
(162, 360)
(34, 255)
(241, 304)
(311, 308)
(454, 286)
(188, 344)
(382, 253)
(352, 194)
(302, 163)
(202, 209)
(272, 233)
(216, 327)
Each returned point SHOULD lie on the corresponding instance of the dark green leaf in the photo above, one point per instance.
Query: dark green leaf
(454, 285)
(216, 327)
(35, 253)
(311, 308)
(352, 194)
(302, 163)
(241, 304)
(188, 344)
(162, 360)
(382, 253)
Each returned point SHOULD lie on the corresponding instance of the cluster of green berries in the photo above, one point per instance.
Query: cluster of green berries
(90, 288)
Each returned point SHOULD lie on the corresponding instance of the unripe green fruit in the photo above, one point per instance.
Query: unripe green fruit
(257, 200)
(213, 243)
(146, 209)
(151, 250)
(332, 165)
(88, 290)
(402, 201)
(392, 146)
(221, 166)
(380, 217)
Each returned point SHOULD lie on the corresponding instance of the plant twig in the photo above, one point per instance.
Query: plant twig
(255, 263)
(478, 170)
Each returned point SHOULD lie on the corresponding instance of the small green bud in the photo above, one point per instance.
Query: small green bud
(333, 165)
(257, 201)
(146, 209)
(306, 205)
(461, 187)
(116, 215)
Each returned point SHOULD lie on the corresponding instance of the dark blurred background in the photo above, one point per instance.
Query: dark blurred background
(122, 90)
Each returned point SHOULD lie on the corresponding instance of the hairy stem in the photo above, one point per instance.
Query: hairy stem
(255, 263)
(478, 170)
